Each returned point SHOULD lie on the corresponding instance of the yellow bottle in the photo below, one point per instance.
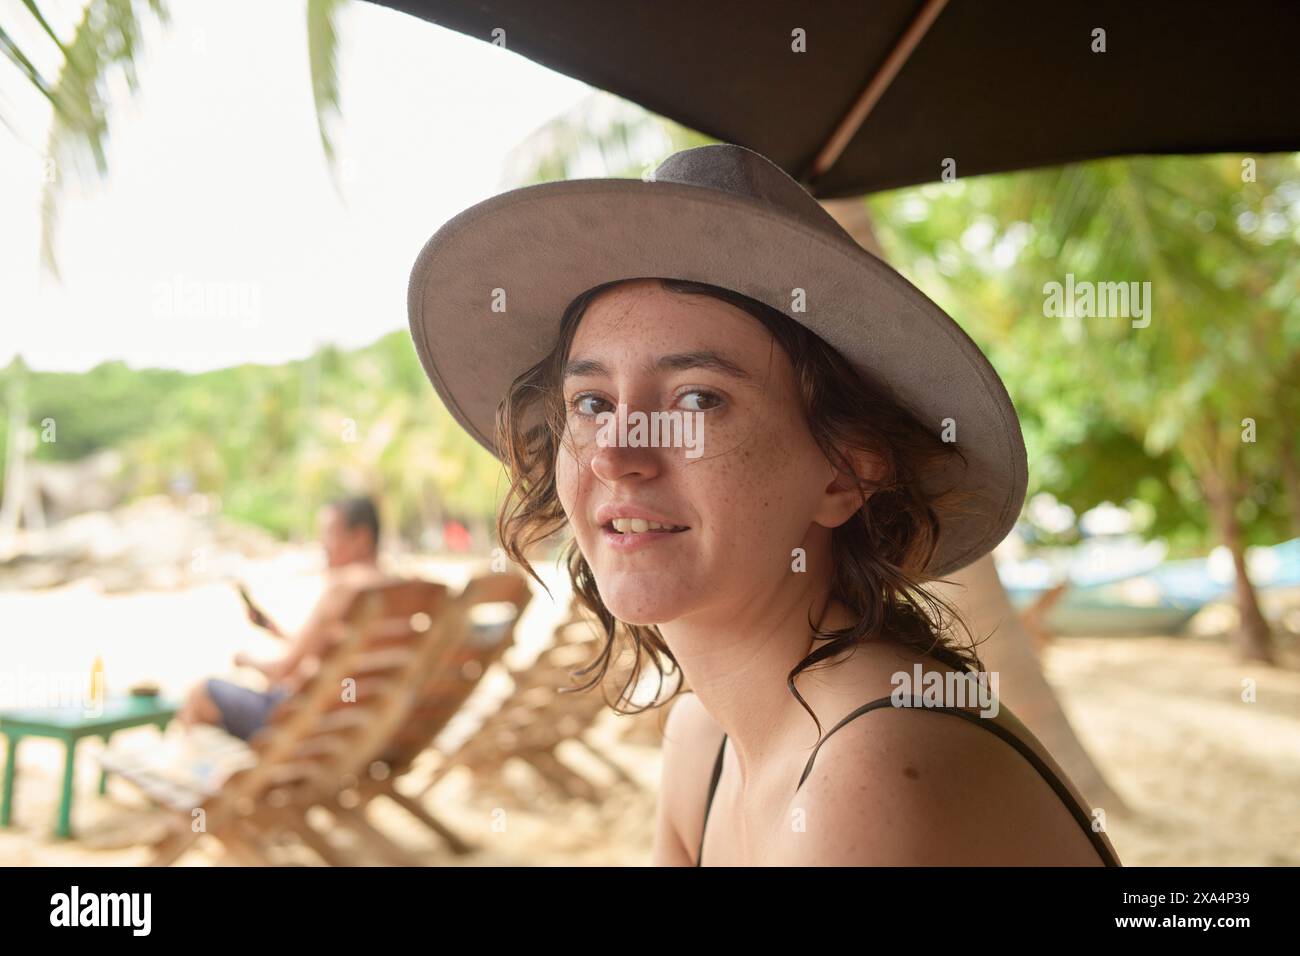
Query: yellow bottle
(97, 681)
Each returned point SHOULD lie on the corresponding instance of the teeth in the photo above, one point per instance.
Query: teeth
(640, 525)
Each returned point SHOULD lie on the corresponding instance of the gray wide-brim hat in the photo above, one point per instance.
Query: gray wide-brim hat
(724, 215)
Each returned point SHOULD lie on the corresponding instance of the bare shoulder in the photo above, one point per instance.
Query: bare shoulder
(913, 786)
(343, 584)
(357, 576)
(691, 739)
(687, 719)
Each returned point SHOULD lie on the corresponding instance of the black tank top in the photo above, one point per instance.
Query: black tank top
(1078, 812)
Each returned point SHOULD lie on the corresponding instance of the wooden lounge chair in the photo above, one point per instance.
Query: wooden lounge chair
(368, 684)
(387, 630)
(541, 713)
(374, 771)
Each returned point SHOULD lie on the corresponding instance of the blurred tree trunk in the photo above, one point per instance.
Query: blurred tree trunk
(1291, 482)
(980, 598)
(12, 506)
(1253, 636)
(1214, 460)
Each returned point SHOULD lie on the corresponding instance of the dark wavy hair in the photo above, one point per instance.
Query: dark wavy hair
(358, 511)
(878, 555)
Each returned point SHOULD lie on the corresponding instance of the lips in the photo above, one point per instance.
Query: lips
(640, 526)
(637, 542)
(634, 519)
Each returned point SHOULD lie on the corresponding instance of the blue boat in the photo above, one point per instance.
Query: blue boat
(1160, 599)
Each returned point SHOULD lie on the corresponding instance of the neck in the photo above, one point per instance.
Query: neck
(737, 660)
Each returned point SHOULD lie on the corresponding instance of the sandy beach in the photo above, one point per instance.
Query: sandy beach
(1210, 779)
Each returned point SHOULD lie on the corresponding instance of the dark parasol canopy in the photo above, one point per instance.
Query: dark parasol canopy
(887, 90)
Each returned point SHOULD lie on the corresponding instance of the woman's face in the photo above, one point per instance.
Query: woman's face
(746, 481)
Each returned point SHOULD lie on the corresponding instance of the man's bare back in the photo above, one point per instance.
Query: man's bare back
(349, 531)
(324, 624)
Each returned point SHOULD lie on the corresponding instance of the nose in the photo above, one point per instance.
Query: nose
(618, 448)
(614, 462)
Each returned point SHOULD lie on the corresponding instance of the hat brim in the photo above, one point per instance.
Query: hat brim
(546, 244)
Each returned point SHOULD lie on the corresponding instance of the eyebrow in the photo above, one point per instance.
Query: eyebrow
(673, 362)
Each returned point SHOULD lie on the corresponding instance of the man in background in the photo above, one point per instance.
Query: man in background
(349, 530)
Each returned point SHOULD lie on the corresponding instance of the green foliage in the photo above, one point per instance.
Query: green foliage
(1112, 412)
(107, 39)
(274, 442)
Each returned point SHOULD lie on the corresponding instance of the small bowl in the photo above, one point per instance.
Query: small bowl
(144, 690)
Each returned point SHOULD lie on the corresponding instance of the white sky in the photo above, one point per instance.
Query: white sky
(218, 185)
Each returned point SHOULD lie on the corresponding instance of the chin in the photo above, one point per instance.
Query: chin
(638, 601)
(639, 618)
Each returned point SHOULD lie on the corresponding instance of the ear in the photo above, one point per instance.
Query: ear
(842, 496)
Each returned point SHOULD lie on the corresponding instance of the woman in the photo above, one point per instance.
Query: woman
(824, 441)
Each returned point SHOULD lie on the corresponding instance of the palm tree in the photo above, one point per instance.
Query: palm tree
(106, 39)
(1214, 248)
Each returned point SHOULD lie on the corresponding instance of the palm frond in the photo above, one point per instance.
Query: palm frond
(107, 37)
(35, 11)
(25, 66)
(322, 51)
(602, 136)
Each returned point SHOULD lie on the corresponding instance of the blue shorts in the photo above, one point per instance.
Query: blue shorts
(244, 711)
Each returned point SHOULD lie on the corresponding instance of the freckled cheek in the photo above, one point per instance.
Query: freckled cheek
(567, 482)
(752, 493)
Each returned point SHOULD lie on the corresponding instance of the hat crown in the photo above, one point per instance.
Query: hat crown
(742, 172)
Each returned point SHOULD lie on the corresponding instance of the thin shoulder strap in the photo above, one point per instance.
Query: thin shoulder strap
(880, 702)
(713, 785)
(1063, 792)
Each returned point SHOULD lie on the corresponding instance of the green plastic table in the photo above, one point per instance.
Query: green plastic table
(70, 724)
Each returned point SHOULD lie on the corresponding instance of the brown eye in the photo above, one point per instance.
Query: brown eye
(711, 399)
(576, 404)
